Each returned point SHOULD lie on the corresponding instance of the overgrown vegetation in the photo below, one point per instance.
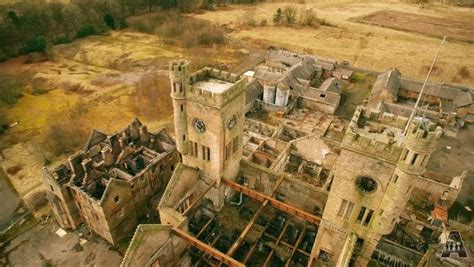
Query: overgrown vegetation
(464, 72)
(30, 27)
(67, 130)
(10, 90)
(27, 27)
(291, 15)
(178, 29)
(151, 89)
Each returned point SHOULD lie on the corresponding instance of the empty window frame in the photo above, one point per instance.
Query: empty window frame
(235, 144)
(415, 156)
(395, 178)
(206, 153)
(342, 208)
(345, 209)
(361, 214)
(405, 154)
(228, 149)
(368, 217)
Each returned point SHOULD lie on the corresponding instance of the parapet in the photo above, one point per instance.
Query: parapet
(376, 133)
(422, 135)
(178, 69)
(207, 73)
(214, 87)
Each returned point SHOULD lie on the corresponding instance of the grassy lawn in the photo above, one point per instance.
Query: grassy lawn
(354, 94)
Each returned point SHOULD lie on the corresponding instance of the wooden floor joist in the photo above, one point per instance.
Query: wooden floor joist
(239, 240)
(206, 248)
(191, 206)
(296, 247)
(301, 214)
(269, 257)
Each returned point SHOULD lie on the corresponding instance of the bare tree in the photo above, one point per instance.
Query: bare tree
(308, 17)
(290, 14)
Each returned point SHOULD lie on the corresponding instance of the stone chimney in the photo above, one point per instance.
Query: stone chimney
(87, 167)
(134, 131)
(108, 156)
(144, 135)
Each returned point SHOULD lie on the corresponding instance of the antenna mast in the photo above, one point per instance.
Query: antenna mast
(423, 87)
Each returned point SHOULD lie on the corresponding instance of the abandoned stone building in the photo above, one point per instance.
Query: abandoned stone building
(449, 105)
(110, 184)
(289, 79)
(302, 189)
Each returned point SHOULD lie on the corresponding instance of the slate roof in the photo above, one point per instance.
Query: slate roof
(254, 90)
(330, 85)
(283, 56)
(388, 80)
(439, 90)
(464, 99)
(314, 94)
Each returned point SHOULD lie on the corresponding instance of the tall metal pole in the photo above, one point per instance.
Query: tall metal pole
(423, 87)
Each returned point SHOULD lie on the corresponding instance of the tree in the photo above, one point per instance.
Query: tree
(73, 17)
(278, 17)
(109, 21)
(308, 17)
(14, 18)
(35, 44)
(290, 13)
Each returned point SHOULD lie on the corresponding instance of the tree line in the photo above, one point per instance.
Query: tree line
(30, 27)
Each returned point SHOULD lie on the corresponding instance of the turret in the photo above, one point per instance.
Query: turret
(179, 78)
(421, 139)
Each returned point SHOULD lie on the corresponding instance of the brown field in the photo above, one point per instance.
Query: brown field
(453, 29)
(363, 45)
(100, 82)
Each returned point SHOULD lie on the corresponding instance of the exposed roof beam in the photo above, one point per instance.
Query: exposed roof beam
(301, 214)
(206, 248)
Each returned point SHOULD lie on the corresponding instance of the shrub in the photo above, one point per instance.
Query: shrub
(35, 44)
(248, 19)
(3, 58)
(290, 14)
(308, 17)
(178, 29)
(62, 40)
(86, 30)
(3, 122)
(123, 23)
(10, 90)
(109, 21)
(464, 72)
(263, 22)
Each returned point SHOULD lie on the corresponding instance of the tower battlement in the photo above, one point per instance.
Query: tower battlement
(422, 135)
(375, 133)
(214, 87)
(178, 65)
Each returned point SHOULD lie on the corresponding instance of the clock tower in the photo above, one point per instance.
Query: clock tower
(209, 119)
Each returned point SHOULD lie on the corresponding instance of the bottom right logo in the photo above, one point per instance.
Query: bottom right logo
(454, 245)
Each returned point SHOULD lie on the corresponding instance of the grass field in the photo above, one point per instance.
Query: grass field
(453, 28)
(362, 45)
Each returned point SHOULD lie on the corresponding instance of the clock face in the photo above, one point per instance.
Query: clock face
(232, 122)
(199, 125)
